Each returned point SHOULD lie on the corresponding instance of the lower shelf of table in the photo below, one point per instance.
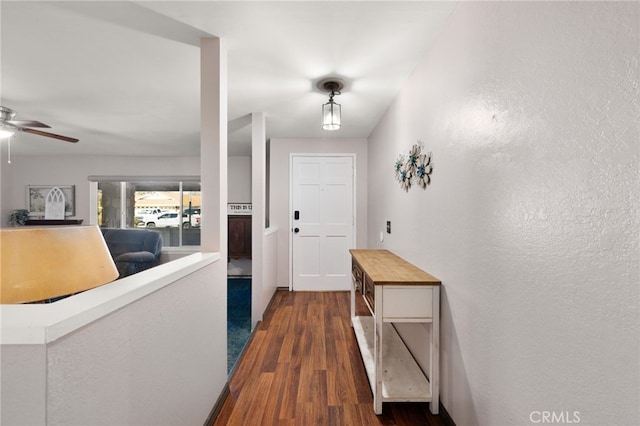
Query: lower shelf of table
(402, 379)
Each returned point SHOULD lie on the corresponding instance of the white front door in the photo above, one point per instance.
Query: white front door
(322, 222)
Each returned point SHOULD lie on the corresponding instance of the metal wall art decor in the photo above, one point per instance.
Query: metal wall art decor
(415, 167)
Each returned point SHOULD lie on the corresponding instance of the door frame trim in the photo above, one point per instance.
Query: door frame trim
(353, 157)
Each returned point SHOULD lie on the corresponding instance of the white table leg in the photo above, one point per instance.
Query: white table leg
(377, 395)
(353, 300)
(434, 407)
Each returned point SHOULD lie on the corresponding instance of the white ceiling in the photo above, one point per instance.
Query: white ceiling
(123, 77)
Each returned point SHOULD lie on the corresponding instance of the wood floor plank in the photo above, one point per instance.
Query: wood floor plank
(289, 394)
(243, 370)
(302, 367)
(249, 408)
(278, 390)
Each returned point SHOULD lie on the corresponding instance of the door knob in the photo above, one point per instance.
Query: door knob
(296, 230)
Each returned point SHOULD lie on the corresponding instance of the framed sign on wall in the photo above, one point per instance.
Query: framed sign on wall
(37, 196)
(239, 209)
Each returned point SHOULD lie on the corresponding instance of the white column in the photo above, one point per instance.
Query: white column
(213, 145)
(258, 201)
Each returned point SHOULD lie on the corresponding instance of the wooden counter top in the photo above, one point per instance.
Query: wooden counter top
(385, 268)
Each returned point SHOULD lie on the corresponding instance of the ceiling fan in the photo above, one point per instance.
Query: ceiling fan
(8, 126)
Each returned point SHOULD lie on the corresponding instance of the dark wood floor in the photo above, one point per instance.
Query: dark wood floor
(302, 367)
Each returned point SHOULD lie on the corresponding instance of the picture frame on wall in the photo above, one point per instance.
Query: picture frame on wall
(37, 196)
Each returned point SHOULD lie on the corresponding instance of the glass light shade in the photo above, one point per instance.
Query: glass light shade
(6, 133)
(331, 116)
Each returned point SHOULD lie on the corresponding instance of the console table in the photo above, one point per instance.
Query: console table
(395, 291)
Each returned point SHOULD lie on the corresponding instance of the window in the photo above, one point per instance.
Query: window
(169, 206)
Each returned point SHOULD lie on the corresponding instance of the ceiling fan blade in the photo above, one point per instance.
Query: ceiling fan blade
(47, 134)
(28, 123)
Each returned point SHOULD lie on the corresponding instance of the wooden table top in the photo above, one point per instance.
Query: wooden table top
(386, 268)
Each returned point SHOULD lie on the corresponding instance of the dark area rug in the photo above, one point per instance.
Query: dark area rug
(238, 318)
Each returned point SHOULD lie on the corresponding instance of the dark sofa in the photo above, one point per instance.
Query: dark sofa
(133, 250)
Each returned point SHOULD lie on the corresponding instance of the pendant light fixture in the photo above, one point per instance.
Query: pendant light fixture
(6, 132)
(7, 129)
(331, 110)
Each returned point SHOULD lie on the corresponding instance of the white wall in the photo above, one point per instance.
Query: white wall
(279, 188)
(269, 274)
(531, 220)
(37, 170)
(239, 179)
(146, 349)
(5, 188)
(264, 255)
(74, 170)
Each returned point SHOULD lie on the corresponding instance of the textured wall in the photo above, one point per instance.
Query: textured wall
(531, 220)
(116, 354)
(158, 361)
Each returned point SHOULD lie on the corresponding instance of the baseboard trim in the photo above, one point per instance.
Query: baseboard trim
(217, 407)
(215, 411)
(446, 418)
